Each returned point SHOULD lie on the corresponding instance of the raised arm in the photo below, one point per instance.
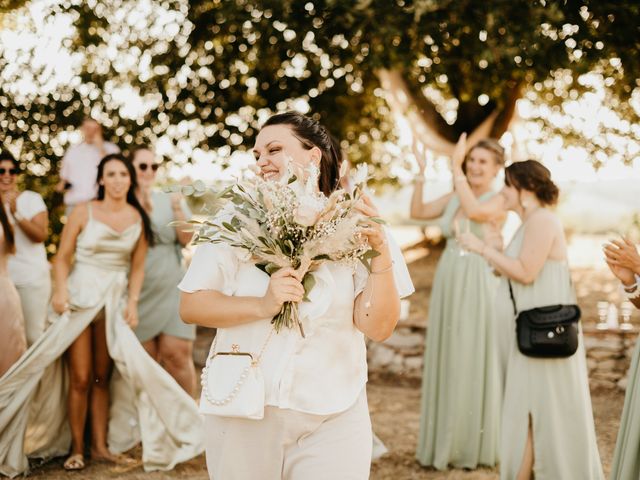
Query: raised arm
(473, 209)
(540, 233)
(377, 316)
(429, 210)
(62, 261)
(419, 209)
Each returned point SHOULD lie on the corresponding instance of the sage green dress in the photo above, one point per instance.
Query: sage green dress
(461, 391)
(159, 299)
(554, 392)
(626, 459)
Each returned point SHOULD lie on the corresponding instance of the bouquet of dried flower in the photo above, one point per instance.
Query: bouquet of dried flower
(289, 223)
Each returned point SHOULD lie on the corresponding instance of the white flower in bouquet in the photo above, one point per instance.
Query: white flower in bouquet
(290, 223)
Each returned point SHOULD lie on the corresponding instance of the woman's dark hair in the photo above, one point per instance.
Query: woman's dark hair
(6, 156)
(7, 229)
(490, 144)
(534, 177)
(131, 193)
(312, 134)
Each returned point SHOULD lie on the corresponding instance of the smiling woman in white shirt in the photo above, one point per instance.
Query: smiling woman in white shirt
(28, 268)
(316, 421)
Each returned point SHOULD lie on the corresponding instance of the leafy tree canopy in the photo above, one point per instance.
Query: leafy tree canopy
(204, 73)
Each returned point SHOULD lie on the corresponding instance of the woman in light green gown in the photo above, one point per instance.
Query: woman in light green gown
(461, 390)
(623, 260)
(547, 420)
(161, 331)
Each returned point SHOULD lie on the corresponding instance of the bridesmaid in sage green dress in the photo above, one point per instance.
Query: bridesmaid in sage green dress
(623, 260)
(547, 420)
(461, 390)
(161, 331)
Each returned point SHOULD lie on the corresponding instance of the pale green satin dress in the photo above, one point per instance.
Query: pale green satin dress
(461, 391)
(146, 404)
(159, 298)
(626, 459)
(553, 391)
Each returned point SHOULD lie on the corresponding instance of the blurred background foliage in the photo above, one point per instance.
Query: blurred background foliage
(201, 75)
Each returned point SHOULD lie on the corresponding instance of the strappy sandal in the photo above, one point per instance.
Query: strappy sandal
(74, 462)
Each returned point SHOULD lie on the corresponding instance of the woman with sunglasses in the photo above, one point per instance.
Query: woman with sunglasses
(98, 271)
(28, 268)
(12, 339)
(161, 331)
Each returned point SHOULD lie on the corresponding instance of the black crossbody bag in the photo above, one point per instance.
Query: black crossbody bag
(547, 332)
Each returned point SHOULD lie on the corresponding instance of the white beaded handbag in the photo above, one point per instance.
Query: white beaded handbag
(232, 383)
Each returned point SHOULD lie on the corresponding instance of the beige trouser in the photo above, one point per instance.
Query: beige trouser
(35, 303)
(291, 445)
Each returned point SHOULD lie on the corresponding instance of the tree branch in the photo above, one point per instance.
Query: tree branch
(505, 116)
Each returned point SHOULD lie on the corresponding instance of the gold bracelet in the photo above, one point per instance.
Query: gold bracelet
(384, 270)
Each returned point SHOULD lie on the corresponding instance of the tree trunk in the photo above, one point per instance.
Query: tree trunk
(431, 128)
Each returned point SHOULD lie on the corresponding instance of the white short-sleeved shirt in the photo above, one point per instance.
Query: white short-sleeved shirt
(80, 169)
(29, 264)
(321, 374)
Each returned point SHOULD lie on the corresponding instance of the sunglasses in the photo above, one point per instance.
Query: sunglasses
(143, 166)
(10, 171)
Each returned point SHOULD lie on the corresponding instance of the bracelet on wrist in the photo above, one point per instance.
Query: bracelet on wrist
(631, 292)
(384, 270)
(631, 295)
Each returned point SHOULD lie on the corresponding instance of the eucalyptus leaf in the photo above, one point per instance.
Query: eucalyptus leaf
(370, 254)
(187, 190)
(272, 268)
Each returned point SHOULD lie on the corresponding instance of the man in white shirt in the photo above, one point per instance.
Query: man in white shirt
(80, 165)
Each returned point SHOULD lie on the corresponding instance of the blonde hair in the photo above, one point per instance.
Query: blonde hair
(490, 144)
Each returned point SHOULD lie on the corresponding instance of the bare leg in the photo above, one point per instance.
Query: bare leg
(151, 346)
(526, 469)
(102, 365)
(176, 355)
(79, 355)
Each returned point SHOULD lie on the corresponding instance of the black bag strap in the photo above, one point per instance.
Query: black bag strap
(513, 300)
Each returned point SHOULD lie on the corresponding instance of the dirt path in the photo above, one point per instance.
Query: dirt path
(395, 414)
(395, 408)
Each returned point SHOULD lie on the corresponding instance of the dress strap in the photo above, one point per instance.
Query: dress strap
(90, 210)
